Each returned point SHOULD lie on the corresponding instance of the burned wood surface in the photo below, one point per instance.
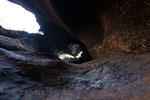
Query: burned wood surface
(28, 76)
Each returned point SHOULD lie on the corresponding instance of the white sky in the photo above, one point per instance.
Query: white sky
(15, 17)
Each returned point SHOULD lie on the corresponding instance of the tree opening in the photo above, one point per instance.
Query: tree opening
(15, 17)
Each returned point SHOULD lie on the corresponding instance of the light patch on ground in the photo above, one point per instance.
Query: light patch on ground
(79, 54)
(63, 56)
(15, 17)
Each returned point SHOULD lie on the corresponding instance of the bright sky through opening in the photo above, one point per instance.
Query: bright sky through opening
(15, 17)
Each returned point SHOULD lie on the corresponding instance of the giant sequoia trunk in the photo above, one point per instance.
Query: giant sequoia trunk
(114, 32)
